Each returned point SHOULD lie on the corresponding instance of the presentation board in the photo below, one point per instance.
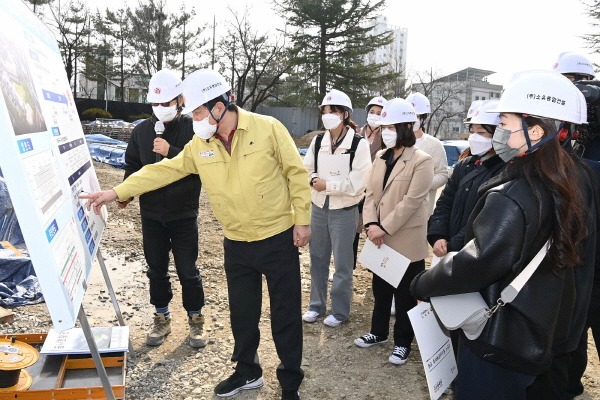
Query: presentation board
(45, 161)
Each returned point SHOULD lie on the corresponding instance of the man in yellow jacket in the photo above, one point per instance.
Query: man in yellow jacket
(258, 188)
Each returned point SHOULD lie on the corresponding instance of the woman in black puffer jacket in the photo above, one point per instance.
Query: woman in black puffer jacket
(446, 228)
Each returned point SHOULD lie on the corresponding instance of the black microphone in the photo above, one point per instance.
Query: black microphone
(159, 128)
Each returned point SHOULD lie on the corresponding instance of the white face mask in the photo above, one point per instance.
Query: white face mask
(331, 121)
(389, 137)
(372, 120)
(204, 129)
(165, 114)
(479, 144)
(417, 125)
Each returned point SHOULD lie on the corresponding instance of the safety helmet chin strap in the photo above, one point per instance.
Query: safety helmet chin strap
(532, 148)
(227, 103)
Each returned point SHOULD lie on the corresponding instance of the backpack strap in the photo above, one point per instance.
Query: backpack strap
(352, 151)
(318, 141)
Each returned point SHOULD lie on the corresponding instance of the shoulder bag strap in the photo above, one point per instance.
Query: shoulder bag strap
(512, 290)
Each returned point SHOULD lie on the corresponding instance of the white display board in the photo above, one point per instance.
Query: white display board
(45, 161)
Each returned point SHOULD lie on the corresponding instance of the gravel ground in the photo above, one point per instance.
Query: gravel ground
(335, 368)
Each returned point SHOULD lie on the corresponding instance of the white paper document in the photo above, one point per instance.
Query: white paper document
(72, 341)
(334, 167)
(436, 349)
(386, 262)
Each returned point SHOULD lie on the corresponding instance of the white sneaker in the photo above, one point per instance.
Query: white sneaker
(332, 321)
(310, 316)
(393, 310)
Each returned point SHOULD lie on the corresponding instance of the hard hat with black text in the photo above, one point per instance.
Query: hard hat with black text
(543, 93)
(202, 86)
(575, 64)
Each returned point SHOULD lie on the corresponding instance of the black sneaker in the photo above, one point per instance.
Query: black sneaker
(236, 383)
(399, 355)
(290, 395)
(369, 340)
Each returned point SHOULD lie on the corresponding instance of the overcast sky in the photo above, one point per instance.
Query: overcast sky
(502, 36)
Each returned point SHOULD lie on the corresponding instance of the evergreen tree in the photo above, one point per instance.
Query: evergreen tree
(330, 43)
(38, 3)
(151, 37)
(116, 26)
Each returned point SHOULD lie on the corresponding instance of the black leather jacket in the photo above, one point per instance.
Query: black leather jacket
(506, 229)
(178, 200)
(458, 199)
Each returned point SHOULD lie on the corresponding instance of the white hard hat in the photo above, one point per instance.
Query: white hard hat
(474, 106)
(574, 63)
(420, 103)
(336, 98)
(543, 94)
(202, 86)
(164, 86)
(397, 111)
(376, 101)
(481, 116)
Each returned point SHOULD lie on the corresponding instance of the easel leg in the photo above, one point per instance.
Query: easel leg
(113, 298)
(89, 337)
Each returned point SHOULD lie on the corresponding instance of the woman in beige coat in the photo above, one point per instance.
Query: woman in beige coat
(395, 214)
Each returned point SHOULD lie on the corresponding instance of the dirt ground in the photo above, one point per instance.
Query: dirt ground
(335, 368)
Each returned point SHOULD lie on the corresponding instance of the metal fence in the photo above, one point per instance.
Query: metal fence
(299, 121)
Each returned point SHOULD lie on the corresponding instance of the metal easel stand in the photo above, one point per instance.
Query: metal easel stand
(89, 337)
(113, 298)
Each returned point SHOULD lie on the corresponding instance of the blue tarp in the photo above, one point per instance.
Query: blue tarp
(106, 150)
(18, 283)
(9, 226)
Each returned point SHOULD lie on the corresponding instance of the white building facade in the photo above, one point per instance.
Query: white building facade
(451, 97)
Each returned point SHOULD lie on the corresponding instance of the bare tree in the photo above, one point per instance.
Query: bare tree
(445, 95)
(257, 62)
(70, 21)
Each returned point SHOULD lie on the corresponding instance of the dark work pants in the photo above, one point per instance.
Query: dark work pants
(482, 380)
(180, 237)
(278, 260)
(552, 383)
(383, 292)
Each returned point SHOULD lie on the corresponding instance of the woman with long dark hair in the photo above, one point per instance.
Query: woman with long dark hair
(544, 193)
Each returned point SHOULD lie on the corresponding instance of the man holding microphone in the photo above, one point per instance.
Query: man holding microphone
(169, 214)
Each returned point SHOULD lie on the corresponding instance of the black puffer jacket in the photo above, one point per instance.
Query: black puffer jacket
(508, 226)
(458, 198)
(179, 199)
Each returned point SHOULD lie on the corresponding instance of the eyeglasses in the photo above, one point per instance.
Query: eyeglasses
(165, 104)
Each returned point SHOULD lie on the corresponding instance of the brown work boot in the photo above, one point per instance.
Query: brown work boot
(160, 330)
(196, 323)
